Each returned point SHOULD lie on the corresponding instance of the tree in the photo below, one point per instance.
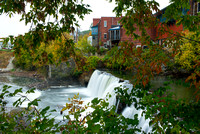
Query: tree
(48, 19)
(84, 45)
(189, 55)
(161, 108)
(167, 115)
(139, 14)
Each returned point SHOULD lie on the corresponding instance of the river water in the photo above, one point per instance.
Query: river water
(100, 84)
(56, 96)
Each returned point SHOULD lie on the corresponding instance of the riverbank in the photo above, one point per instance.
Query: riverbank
(33, 79)
(29, 74)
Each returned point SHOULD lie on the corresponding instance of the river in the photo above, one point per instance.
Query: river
(100, 84)
(56, 96)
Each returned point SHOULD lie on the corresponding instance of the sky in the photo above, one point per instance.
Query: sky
(12, 26)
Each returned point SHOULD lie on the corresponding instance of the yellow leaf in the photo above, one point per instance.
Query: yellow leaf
(64, 109)
(66, 104)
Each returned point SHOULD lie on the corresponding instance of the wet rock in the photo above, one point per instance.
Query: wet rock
(85, 77)
(121, 107)
(121, 80)
(39, 85)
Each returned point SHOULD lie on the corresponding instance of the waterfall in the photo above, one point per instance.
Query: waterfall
(129, 112)
(117, 105)
(102, 83)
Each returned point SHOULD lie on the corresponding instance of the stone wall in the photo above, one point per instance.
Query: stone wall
(63, 70)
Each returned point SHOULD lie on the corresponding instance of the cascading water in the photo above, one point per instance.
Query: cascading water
(102, 83)
(129, 112)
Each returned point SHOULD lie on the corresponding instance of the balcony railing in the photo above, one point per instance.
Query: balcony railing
(114, 35)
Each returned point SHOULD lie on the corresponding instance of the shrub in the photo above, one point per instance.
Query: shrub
(84, 45)
(189, 53)
(102, 51)
(91, 63)
(117, 58)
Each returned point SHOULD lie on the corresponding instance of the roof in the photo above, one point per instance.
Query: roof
(115, 28)
(160, 12)
(94, 26)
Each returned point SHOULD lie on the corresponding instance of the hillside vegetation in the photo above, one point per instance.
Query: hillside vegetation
(4, 58)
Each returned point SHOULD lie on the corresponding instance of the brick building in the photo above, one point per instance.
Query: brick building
(107, 31)
(171, 24)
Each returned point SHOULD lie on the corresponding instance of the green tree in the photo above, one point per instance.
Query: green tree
(64, 14)
(139, 14)
(84, 45)
(167, 115)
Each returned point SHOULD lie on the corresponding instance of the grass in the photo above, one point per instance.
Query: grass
(5, 56)
(7, 50)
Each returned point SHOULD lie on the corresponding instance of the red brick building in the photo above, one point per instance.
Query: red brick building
(172, 28)
(107, 31)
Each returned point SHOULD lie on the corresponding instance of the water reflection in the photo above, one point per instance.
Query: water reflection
(181, 89)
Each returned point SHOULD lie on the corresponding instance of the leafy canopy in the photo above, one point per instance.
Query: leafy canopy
(49, 19)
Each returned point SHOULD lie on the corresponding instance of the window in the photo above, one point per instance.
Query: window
(105, 23)
(105, 35)
(105, 45)
(196, 8)
(118, 23)
(93, 37)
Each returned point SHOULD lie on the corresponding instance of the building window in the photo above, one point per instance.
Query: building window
(105, 23)
(118, 23)
(105, 44)
(196, 8)
(93, 37)
(105, 35)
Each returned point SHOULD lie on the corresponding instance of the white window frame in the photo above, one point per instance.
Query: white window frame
(195, 7)
(105, 23)
(104, 35)
(198, 7)
(118, 23)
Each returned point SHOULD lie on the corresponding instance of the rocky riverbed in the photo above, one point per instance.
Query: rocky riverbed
(32, 79)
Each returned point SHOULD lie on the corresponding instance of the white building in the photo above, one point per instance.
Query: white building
(90, 40)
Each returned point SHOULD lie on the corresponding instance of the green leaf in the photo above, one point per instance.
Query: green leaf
(34, 103)
(96, 128)
(31, 91)
(44, 111)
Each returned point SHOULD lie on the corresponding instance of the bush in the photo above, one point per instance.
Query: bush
(102, 120)
(117, 58)
(84, 45)
(189, 54)
(91, 63)
(103, 51)
(166, 114)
